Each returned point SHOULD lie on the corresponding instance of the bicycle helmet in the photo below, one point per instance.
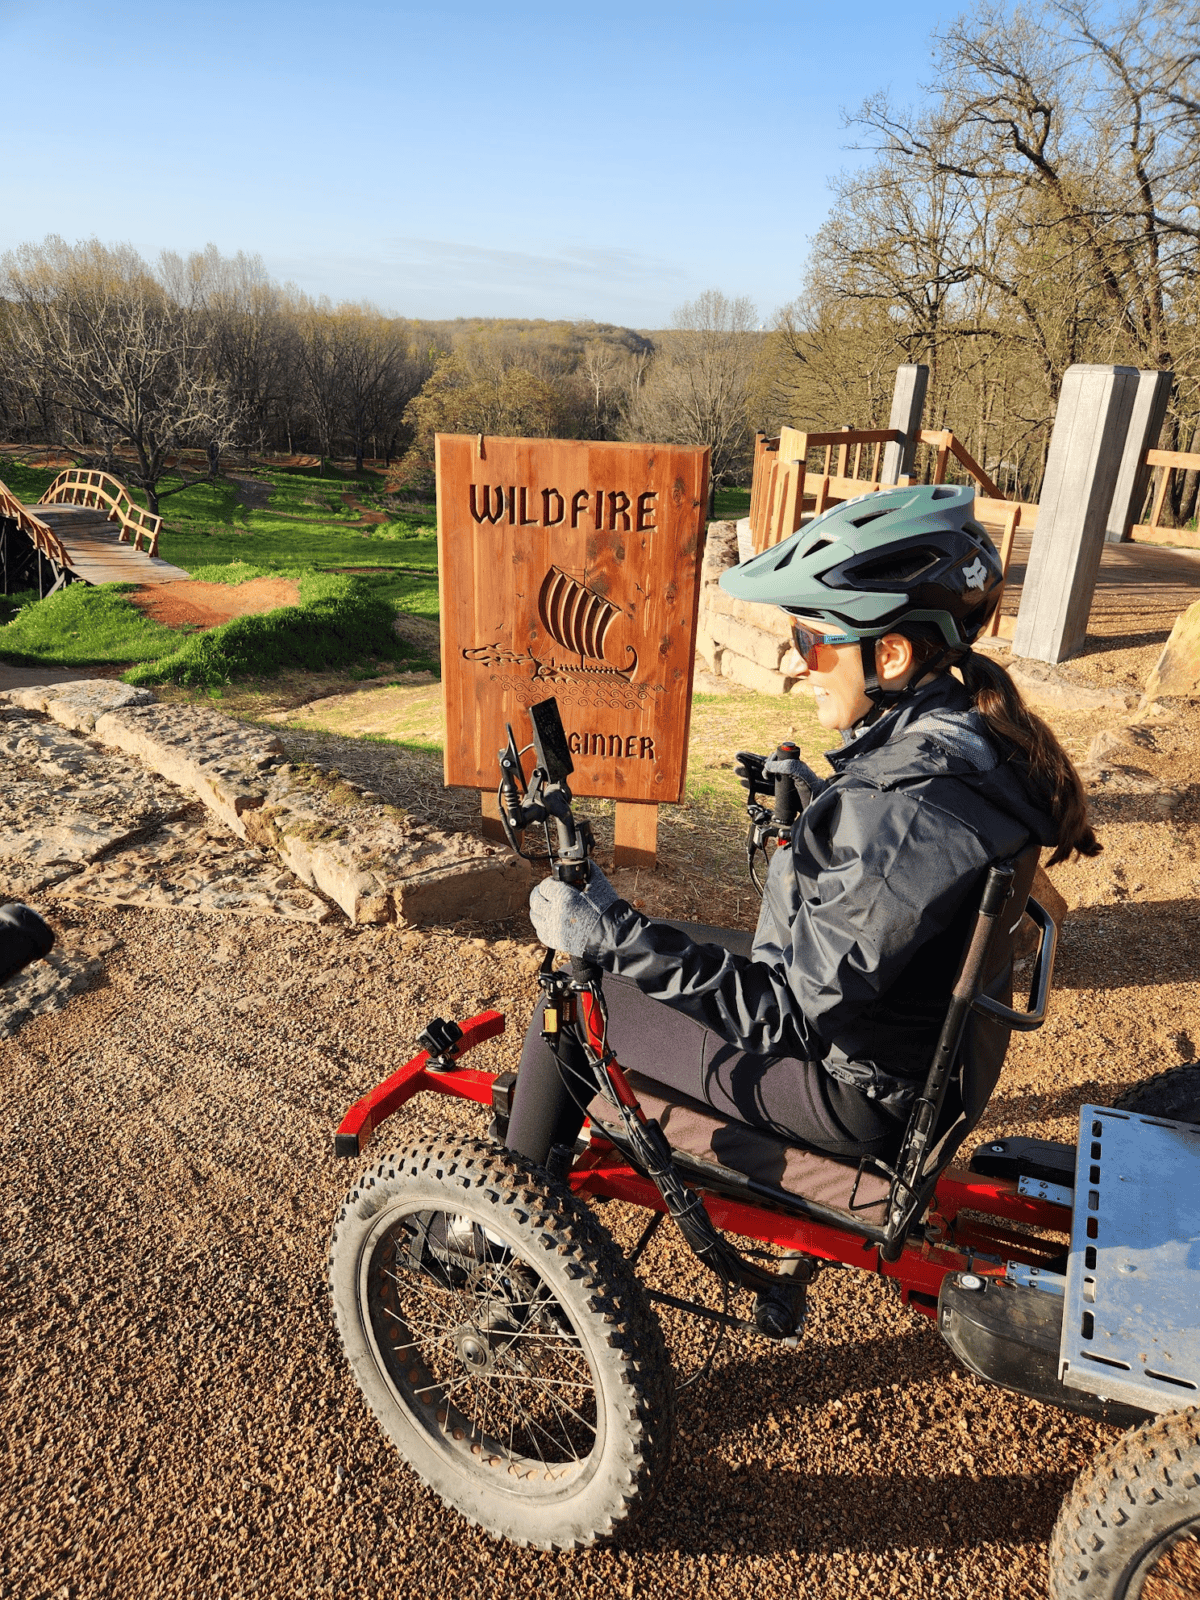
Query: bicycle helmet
(911, 561)
(875, 563)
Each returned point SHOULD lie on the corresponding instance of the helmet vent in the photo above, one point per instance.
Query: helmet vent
(899, 567)
(819, 544)
(785, 559)
(867, 516)
(944, 493)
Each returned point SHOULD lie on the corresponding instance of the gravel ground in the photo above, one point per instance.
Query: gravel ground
(177, 1418)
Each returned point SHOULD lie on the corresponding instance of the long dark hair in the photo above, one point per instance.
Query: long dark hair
(999, 703)
(1022, 734)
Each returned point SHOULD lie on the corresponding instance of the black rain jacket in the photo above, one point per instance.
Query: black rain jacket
(864, 919)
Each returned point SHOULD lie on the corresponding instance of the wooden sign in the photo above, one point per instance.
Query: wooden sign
(571, 569)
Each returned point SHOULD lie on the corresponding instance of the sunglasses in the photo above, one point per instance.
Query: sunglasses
(808, 641)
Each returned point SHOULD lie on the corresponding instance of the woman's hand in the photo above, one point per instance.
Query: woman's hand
(566, 918)
(750, 772)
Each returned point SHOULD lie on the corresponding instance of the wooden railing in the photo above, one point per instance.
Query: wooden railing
(79, 486)
(784, 490)
(946, 445)
(45, 541)
(1168, 462)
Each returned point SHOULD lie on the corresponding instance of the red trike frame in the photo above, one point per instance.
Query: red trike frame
(964, 1228)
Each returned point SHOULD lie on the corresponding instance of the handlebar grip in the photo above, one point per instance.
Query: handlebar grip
(786, 806)
(584, 971)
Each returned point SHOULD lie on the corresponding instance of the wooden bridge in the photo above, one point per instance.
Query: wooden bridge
(85, 529)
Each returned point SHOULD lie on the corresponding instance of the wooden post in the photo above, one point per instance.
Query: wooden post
(841, 456)
(635, 835)
(1133, 475)
(1160, 494)
(490, 824)
(908, 402)
(1090, 426)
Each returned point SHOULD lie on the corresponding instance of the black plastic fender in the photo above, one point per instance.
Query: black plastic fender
(1009, 1335)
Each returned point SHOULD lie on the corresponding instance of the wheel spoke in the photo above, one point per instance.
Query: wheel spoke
(534, 1387)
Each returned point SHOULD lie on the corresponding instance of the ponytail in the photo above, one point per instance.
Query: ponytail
(999, 703)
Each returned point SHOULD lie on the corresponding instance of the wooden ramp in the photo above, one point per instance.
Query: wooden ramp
(95, 551)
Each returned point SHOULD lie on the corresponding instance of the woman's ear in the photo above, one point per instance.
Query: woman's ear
(893, 658)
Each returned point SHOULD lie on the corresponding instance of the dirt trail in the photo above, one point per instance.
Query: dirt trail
(176, 1416)
(207, 605)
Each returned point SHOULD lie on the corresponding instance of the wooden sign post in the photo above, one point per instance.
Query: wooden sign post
(572, 569)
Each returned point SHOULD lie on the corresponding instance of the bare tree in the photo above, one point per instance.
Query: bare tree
(461, 397)
(697, 386)
(249, 335)
(1077, 134)
(1038, 210)
(127, 365)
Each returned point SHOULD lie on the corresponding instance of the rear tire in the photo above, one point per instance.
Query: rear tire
(503, 1343)
(1174, 1093)
(1129, 1527)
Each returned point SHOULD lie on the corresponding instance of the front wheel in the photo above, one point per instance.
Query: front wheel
(1128, 1530)
(502, 1342)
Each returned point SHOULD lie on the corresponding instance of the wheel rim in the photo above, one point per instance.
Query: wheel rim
(479, 1352)
(1170, 1569)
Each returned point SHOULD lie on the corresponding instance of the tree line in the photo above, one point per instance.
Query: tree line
(127, 364)
(1039, 208)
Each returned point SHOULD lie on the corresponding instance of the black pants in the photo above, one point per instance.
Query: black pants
(795, 1099)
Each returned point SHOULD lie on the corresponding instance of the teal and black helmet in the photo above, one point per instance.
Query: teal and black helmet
(900, 560)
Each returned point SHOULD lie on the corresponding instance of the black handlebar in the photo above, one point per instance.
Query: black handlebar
(546, 798)
(786, 807)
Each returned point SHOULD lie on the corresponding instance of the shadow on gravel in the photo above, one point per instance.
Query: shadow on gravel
(1019, 1107)
(815, 1375)
(766, 1509)
(1141, 944)
(1123, 805)
(879, 1462)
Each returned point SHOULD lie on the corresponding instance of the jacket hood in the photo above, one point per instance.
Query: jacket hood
(937, 728)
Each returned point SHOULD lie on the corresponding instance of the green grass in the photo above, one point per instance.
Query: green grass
(27, 483)
(305, 525)
(213, 534)
(10, 604)
(242, 572)
(731, 504)
(340, 621)
(80, 626)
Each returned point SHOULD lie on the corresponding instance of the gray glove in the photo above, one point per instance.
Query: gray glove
(565, 918)
(801, 774)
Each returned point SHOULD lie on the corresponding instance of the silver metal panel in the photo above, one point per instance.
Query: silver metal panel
(1038, 1189)
(1035, 1278)
(1131, 1322)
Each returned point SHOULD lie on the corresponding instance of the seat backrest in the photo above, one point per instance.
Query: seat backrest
(985, 1041)
(966, 1064)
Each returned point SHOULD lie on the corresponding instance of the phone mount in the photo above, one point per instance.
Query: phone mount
(546, 798)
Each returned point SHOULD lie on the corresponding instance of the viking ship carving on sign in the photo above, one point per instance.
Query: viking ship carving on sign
(578, 620)
(571, 568)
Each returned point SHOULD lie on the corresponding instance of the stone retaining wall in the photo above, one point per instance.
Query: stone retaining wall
(735, 640)
(373, 861)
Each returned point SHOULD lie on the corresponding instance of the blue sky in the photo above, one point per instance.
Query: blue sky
(558, 160)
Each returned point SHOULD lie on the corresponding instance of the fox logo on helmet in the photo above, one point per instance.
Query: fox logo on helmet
(975, 574)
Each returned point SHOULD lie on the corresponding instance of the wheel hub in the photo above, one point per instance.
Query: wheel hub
(474, 1351)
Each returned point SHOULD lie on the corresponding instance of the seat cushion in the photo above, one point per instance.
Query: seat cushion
(702, 1133)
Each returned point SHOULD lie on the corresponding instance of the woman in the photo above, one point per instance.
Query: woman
(824, 1032)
